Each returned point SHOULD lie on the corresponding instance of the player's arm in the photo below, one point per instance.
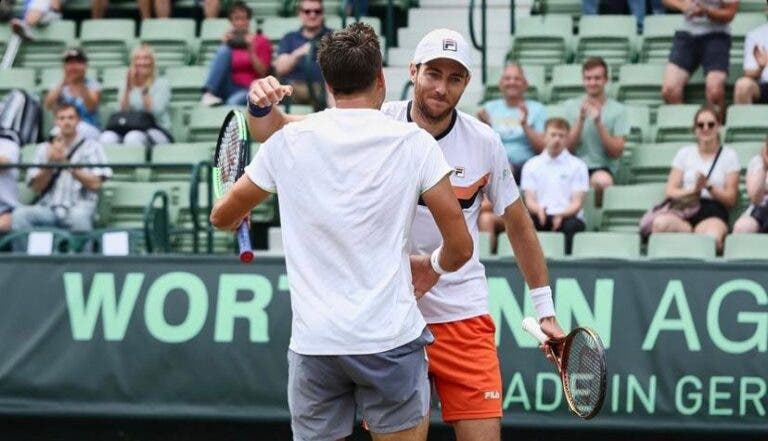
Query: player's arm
(264, 118)
(457, 245)
(229, 211)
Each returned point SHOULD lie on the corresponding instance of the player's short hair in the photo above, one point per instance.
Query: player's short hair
(557, 123)
(593, 62)
(64, 106)
(240, 5)
(350, 58)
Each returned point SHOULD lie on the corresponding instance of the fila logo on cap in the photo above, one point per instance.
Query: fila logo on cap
(450, 45)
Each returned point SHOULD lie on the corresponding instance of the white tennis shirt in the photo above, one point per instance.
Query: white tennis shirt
(349, 181)
(476, 154)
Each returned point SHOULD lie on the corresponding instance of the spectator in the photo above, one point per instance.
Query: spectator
(704, 39)
(518, 121)
(211, 8)
(241, 59)
(162, 8)
(78, 90)
(688, 177)
(599, 127)
(9, 191)
(292, 65)
(753, 86)
(36, 13)
(66, 197)
(755, 218)
(143, 91)
(554, 184)
(638, 8)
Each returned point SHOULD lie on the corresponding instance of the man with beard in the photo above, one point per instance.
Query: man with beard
(463, 362)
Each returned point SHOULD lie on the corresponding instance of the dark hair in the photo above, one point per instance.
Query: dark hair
(593, 62)
(299, 2)
(557, 123)
(239, 5)
(350, 58)
(64, 106)
(704, 109)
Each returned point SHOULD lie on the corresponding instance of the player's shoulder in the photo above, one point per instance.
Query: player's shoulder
(395, 109)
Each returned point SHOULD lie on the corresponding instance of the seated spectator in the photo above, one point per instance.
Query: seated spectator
(143, 91)
(638, 8)
(67, 197)
(36, 13)
(688, 177)
(296, 62)
(599, 127)
(554, 184)
(704, 39)
(518, 121)
(81, 92)
(755, 218)
(9, 191)
(753, 86)
(242, 58)
(162, 8)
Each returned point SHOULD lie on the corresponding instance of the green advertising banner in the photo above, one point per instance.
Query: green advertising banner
(687, 344)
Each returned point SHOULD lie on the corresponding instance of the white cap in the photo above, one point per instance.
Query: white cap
(443, 43)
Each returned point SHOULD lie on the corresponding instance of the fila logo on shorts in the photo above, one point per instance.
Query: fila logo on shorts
(492, 395)
(450, 45)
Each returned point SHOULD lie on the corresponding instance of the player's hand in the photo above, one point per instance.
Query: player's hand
(424, 277)
(552, 329)
(267, 91)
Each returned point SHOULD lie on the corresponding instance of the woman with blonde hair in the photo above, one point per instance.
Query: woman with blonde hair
(706, 171)
(143, 115)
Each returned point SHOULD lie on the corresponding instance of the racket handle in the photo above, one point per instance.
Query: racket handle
(531, 326)
(244, 243)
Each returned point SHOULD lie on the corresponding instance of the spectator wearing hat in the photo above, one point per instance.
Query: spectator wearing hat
(78, 90)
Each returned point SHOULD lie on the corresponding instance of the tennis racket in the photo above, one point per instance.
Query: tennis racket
(580, 360)
(229, 160)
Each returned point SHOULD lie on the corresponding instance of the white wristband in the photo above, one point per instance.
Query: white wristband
(542, 301)
(435, 261)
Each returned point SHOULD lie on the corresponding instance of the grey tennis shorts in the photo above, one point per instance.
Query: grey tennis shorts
(390, 389)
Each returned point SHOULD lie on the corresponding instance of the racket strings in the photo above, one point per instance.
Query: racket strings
(229, 155)
(584, 372)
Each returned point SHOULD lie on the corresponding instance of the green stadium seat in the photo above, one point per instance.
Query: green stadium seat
(484, 245)
(651, 162)
(107, 42)
(16, 78)
(186, 84)
(742, 23)
(542, 40)
(534, 74)
(681, 246)
(674, 122)
(554, 110)
(112, 78)
(205, 122)
(611, 37)
(122, 204)
(183, 154)
(745, 151)
(171, 38)
(746, 247)
(606, 245)
(131, 155)
(5, 35)
(49, 44)
(62, 241)
(639, 117)
(751, 6)
(266, 8)
(624, 205)
(640, 84)
(746, 122)
(571, 7)
(211, 31)
(566, 83)
(552, 244)
(658, 33)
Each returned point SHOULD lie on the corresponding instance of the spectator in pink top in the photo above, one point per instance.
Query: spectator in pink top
(242, 58)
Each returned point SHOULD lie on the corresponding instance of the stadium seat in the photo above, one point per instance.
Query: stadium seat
(746, 151)
(746, 122)
(484, 245)
(112, 78)
(611, 37)
(171, 38)
(107, 41)
(571, 7)
(554, 110)
(50, 42)
(186, 84)
(130, 155)
(742, 23)
(605, 245)
(675, 122)
(751, 6)
(658, 33)
(266, 8)
(552, 244)
(61, 241)
(536, 83)
(624, 205)
(652, 162)
(211, 31)
(396, 79)
(205, 122)
(16, 78)
(640, 84)
(566, 83)
(185, 155)
(746, 247)
(639, 118)
(681, 246)
(5, 35)
(122, 204)
(542, 40)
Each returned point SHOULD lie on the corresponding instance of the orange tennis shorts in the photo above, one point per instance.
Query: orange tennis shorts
(464, 368)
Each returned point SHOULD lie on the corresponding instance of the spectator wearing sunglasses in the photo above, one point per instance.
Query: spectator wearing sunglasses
(706, 171)
(296, 62)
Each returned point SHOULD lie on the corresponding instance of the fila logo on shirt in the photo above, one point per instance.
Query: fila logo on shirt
(450, 45)
(459, 172)
(492, 395)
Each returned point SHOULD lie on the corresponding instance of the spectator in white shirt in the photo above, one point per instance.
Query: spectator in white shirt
(554, 183)
(753, 86)
(755, 218)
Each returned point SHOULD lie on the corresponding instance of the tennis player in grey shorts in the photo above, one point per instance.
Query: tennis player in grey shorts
(391, 390)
